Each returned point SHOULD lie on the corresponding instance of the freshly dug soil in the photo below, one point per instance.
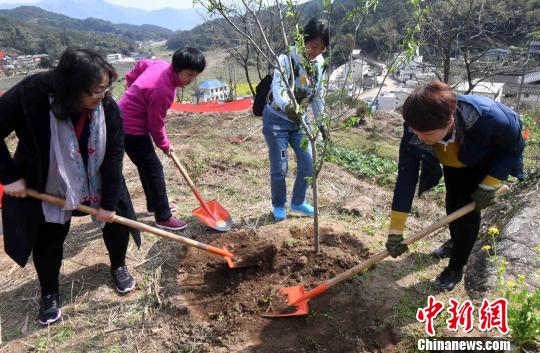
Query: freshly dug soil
(279, 304)
(230, 303)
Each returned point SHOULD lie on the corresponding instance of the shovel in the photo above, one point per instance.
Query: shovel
(298, 298)
(210, 213)
(144, 228)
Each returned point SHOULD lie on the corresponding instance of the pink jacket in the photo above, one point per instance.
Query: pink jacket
(151, 91)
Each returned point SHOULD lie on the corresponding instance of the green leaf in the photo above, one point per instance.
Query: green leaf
(304, 143)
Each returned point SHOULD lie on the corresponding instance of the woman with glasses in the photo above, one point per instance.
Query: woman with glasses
(71, 145)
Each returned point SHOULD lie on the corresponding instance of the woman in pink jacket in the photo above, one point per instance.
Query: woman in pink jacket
(151, 88)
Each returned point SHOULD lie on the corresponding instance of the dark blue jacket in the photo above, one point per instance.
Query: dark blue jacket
(490, 135)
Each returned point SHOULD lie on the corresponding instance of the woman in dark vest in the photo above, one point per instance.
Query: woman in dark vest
(71, 145)
(477, 141)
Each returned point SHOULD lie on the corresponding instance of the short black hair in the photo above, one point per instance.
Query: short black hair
(316, 28)
(78, 70)
(188, 58)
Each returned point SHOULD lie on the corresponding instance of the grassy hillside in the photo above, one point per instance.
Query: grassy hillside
(31, 30)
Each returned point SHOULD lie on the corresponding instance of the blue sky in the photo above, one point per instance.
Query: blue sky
(147, 5)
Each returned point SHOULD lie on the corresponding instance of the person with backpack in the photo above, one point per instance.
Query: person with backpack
(477, 140)
(282, 123)
(151, 91)
(70, 145)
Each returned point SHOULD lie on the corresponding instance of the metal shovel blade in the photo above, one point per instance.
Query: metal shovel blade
(239, 263)
(293, 293)
(218, 218)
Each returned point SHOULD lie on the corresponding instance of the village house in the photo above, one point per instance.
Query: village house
(514, 77)
(356, 75)
(495, 55)
(211, 90)
(10, 65)
(534, 49)
(492, 90)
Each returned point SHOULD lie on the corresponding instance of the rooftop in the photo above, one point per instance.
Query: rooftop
(209, 84)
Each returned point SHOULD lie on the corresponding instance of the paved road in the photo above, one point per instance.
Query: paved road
(389, 85)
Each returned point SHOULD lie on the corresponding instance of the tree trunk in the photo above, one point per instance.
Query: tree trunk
(259, 66)
(469, 76)
(520, 90)
(446, 64)
(314, 185)
(248, 79)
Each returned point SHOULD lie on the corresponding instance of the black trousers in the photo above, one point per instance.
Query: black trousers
(140, 149)
(49, 250)
(460, 184)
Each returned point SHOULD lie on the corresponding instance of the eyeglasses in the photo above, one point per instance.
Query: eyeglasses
(100, 94)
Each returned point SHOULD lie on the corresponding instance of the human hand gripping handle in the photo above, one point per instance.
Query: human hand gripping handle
(397, 246)
(484, 196)
(16, 189)
(105, 216)
(293, 114)
(394, 245)
(169, 151)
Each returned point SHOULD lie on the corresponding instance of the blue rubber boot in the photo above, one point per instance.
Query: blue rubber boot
(306, 209)
(280, 213)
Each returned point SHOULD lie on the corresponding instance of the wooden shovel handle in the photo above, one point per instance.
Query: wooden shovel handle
(183, 171)
(134, 224)
(428, 230)
(196, 192)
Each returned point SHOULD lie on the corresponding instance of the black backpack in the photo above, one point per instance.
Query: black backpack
(261, 93)
(262, 90)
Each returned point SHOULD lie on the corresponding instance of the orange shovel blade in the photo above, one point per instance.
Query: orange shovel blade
(239, 262)
(218, 218)
(293, 294)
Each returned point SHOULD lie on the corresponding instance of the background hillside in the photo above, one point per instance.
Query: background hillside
(32, 30)
(173, 19)
(380, 33)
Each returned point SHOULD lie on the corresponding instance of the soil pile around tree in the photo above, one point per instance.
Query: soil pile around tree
(229, 304)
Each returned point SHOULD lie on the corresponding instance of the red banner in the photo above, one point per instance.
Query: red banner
(213, 107)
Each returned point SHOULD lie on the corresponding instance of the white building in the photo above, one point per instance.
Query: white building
(353, 75)
(409, 69)
(387, 101)
(534, 48)
(211, 90)
(349, 75)
(401, 95)
(114, 57)
(495, 54)
(488, 89)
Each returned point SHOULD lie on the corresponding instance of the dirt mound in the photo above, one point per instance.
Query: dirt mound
(238, 139)
(231, 302)
(247, 250)
(388, 123)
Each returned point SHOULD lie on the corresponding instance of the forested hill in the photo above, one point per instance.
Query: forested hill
(32, 30)
(380, 32)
